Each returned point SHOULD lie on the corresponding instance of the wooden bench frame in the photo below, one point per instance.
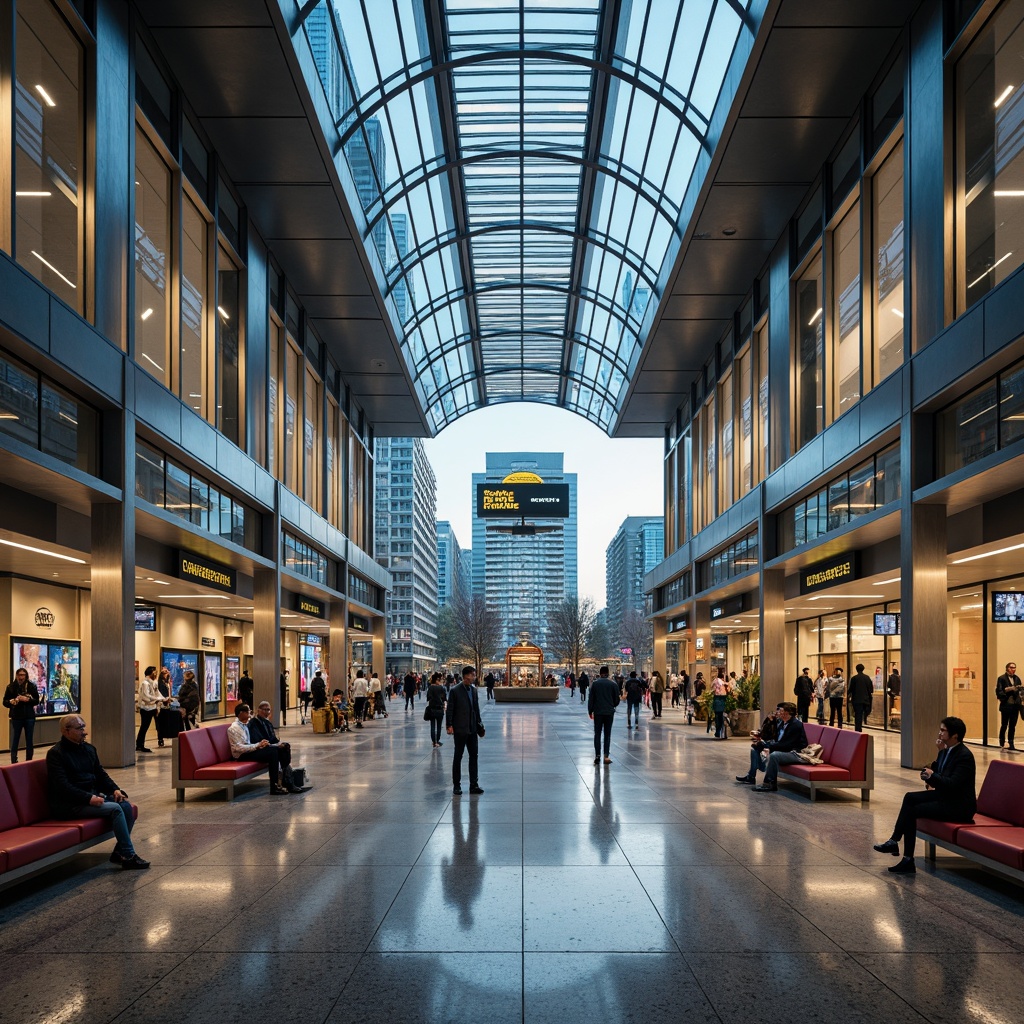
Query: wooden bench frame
(865, 785)
(179, 785)
(986, 862)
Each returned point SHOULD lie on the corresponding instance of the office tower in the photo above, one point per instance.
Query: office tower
(636, 549)
(451, 565)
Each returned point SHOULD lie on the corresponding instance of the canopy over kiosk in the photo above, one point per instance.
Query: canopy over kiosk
(524, 676)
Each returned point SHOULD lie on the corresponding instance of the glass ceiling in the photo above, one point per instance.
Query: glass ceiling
(521, 168)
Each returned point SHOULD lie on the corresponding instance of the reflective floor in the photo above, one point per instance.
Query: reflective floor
(655, 889)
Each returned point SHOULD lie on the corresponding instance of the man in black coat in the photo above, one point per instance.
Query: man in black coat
(860, 690)
(950, 796)
(78, 787)
(463, 722)
(602, 701)
(789, 738)
(262, 728)
(319, 690)
(803, 689)
(1008, 687)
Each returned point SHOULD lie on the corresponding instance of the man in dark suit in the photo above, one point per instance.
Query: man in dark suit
(1008, 687)
(465, 725)
(262, 728)
(860, 693)
(789, 738)
(950, 796)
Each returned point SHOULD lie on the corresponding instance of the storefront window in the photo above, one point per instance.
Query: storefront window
(313, 458)
(846, 341)
(969, 430)
(152, 259)
(965, 639)
(810, 396)
(193, 357)
(1011, 405)
(68, 428)
(990, 160)
(887, 286)
(49, 151)
(726, 413)
(228, 419)
(19, 402)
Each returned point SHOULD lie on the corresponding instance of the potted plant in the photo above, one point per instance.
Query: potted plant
(743, 719)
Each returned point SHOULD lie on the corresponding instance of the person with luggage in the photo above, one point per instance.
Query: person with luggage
(319, 690)
(188, 700)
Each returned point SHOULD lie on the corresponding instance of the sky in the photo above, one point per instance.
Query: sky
(615, 478)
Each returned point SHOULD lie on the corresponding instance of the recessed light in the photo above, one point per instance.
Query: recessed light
(146, 313)
(987, 554)
(41, 551)
(33, 195)
(49, 102)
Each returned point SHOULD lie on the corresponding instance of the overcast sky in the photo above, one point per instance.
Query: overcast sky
(615, 478)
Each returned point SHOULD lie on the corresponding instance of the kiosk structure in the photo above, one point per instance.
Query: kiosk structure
(527, 657)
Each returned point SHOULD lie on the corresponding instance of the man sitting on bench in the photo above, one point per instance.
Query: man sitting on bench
(789, 739)
(758, 739)
(243, 748)
(262, 728)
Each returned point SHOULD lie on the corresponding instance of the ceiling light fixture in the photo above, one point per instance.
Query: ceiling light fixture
(223, 312)
(898, 312)
(46, 96)
(882, 583)
(814, 319)
(47, 263)
(1000, 99)
(146, 314)
(990, 269)
(34, 195)
(1009, 193)
(987, 554)
(42, 551)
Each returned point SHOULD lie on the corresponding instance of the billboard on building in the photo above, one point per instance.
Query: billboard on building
(512, 500)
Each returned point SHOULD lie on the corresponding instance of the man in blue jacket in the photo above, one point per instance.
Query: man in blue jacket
(789, 738)
(602, 701)
(464, 724)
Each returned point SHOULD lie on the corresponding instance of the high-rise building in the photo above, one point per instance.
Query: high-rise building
(405, 540)
(525, 577)
(451, 565)
(637, 547)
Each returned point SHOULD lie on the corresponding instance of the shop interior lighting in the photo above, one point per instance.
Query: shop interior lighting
(146, 313)
(848, 597)
(814, 319)
(34, 195)
(198, 597)
(1009, 193)
(146, 355)
(9, 416)
(977, 280)
(977, 414)
(987, 554)
(882, 583)
(897, 312)
(49, 265)
(223, 312)
(46, 96)
(1000, 99)
(41, 551)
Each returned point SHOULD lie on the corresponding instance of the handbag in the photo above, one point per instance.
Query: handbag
(427, 714)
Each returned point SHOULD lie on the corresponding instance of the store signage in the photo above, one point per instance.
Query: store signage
(45, 618)
(731, 606)
(675, 625)
(208, 641)
(700, 643)
(823, 575)
(197, 569)
(359, 622)
(310, 606)
(626, 651)
(511, 500)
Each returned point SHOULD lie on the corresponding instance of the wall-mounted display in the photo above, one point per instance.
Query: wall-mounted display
(887, 623)
(211, 678)
(145, 620)
(55, 667)
(1007, 606)
(232, 673)
(178, 663)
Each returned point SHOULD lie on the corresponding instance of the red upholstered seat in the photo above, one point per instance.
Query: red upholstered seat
(24, 845)
(945, 830)
(195, 751)
(234, 770)
(1005, 845)
(3, 862)
(828, 742)
(816, 772)
(219, 736)
(88, 828)
(813, 732)
(27, 782)
(1002, 792)
(8, 812)
(849, 752)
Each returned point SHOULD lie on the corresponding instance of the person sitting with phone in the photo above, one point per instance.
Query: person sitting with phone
(78, 787)
(769, 727)
(950, 794)
(790, 738)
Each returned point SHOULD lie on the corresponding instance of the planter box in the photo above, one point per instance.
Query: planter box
(526, 694)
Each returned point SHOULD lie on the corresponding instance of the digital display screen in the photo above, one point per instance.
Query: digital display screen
(1007, 606)
(145, 620)
(887, 624)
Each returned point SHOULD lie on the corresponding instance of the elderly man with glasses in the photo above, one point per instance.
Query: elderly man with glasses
(243, 748)
(78, 787)
(262, 728)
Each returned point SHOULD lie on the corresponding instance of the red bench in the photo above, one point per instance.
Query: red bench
(848, 760)
(995, 839)
(31, 839)
(201, 759)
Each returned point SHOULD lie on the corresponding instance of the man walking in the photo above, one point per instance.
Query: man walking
(601, 705)
(804, 690)
(861, 690)
(409, 689)
(464, 724)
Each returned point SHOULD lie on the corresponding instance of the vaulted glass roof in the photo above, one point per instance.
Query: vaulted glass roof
(521, 167)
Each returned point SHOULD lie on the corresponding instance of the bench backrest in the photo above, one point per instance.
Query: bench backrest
(813, 732)
(27, 783)
(1002, 792)
(195, 750)
(827, 739)
(850, 752)
(219, 736)
(8, 812)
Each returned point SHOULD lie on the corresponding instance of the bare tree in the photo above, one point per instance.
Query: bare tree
(477, 627)
(637, 633)
(569, 629)
(449, 645)
(599, 643)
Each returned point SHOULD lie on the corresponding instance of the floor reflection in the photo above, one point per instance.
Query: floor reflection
(462, 874)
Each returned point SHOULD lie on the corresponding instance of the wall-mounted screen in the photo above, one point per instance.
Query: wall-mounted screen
(887, 623)
(178, 663)
(55, 668)
(145, 620)
(1007, 606)
(232, 673)
(211, 678)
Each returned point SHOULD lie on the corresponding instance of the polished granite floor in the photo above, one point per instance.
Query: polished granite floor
(652, 890)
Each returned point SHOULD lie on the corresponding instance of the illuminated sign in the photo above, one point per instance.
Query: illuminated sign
(829, 574)
(510, 501)
(202, 570)
(731, 606)
(310, 606)
(359, 623)
(678, 624)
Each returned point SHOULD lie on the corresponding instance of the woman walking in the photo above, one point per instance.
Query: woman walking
(436, 696)
(20, 699)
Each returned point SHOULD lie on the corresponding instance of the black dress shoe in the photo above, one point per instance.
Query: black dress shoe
(765, 789)
(457, 790)
(475, 789)
(134, 863)
(296, 789)
(597, 760)
(116, 858)
(143, 750)
(889, 846)
(746, 780)
(277, 790)
(906, 866)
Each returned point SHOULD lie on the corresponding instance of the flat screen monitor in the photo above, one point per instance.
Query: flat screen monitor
(1007, 606)
(887, 623)
(145, 620)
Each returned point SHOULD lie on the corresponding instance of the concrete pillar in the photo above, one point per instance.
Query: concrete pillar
(112, 728)
(923, 629)
(266, 639)
(774, 687)
(660, 645)
(377, 648)
(338, 668)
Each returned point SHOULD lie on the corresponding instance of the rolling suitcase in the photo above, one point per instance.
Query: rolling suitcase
(168, 723)
(322, 720)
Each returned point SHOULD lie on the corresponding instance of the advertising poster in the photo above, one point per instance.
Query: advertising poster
(232, 674)
(178, 663)
(54, 667)
(211, 678)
